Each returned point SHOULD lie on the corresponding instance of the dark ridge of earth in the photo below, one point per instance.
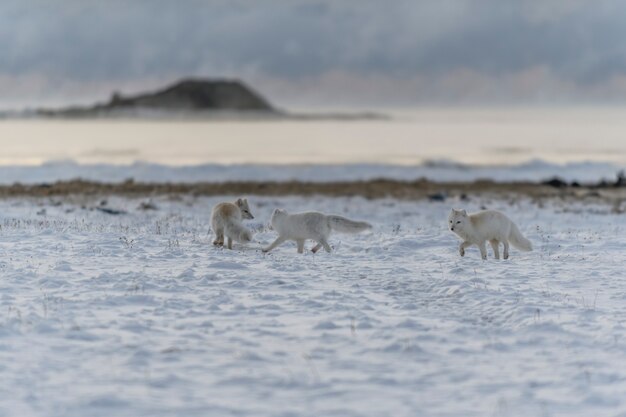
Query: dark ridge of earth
(375, 189)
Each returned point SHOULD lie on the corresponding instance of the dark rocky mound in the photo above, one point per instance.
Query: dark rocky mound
(197, 95)
(186, 96)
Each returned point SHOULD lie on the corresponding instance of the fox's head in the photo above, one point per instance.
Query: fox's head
(457, 221)
(277, 214)
(242, 203)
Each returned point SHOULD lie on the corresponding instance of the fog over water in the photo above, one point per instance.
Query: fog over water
(468, 136)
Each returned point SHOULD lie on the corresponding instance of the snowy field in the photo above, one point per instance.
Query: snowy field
(139, 315)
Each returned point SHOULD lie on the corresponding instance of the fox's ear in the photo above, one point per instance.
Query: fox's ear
(239, 201)
(464, 213)
(245, 200)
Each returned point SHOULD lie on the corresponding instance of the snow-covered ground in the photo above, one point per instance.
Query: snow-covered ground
(139, 315)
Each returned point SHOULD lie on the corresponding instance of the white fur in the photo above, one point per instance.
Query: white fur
(489, 225)
(310, 225)
(226, 221)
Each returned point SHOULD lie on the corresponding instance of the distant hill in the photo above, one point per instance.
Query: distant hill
(185, 96)
(189, 98)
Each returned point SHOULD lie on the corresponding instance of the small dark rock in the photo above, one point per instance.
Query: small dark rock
(111, 211)
(555, 182)
(437, 197)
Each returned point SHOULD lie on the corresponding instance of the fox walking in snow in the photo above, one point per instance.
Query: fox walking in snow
(310, 225)
(226, 221)
(487, 225)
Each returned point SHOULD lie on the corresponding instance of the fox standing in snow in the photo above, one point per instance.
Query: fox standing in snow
(488, 225)
(310, 225)
(226, 221)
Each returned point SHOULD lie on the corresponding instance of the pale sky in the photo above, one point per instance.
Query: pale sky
(319, 53)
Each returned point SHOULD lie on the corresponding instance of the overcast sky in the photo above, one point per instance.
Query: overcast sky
(326, 52)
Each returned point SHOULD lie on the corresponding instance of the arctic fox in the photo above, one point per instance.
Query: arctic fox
(226, 221)
(310, 225)
(488, 225)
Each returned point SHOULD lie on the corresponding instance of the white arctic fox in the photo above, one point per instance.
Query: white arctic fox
(488, 225)
(226, 221)
(310, 225)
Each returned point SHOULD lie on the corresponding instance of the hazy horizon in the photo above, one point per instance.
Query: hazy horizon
(458, 135)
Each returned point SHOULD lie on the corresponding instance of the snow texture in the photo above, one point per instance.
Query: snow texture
(139, 315)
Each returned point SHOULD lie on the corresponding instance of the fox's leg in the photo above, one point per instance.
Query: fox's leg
(496, 250)
(300, 245)
(462, 247)
(506, 249)
(325, 245)
(483, 249)
(230, 242)
(316, 248)
(279, 241)
(219, 237)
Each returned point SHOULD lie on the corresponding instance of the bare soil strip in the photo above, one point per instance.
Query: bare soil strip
(374, 189)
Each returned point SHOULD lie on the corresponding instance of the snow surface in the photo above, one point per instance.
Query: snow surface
(139, 315)
(535, 170)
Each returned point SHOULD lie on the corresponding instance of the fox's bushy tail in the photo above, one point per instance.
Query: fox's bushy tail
(518, 240)
(343, 225)
(238, 232)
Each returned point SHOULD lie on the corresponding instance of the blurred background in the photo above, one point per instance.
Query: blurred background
(469, 83)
